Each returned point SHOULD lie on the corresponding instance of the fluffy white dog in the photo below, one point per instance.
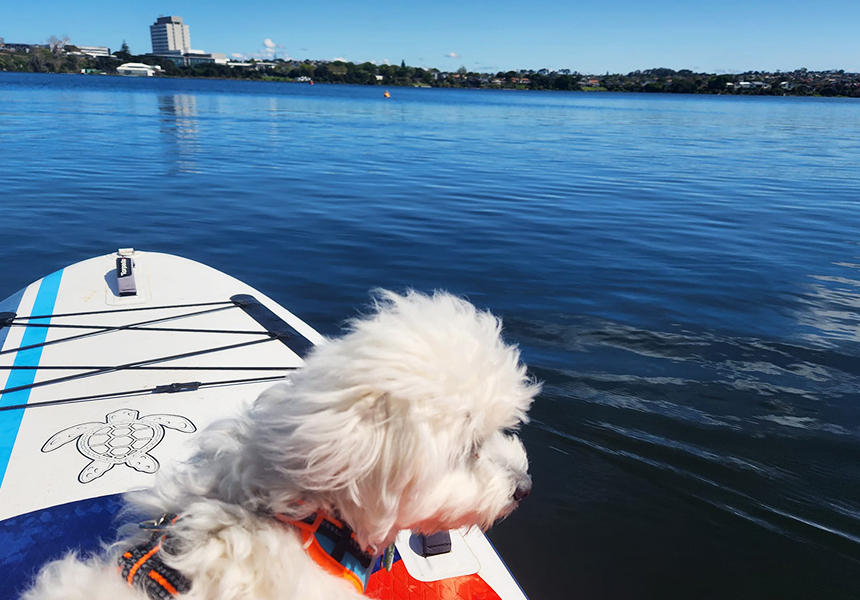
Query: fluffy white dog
(407, 421)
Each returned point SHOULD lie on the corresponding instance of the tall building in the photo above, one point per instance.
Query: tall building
(169, 35)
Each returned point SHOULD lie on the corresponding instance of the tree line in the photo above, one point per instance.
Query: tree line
(63, 58)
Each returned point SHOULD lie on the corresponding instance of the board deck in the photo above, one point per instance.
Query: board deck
(125, 381)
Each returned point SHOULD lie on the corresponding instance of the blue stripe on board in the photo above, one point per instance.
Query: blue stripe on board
(10, 420)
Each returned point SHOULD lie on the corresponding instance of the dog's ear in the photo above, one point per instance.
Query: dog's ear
(346, 450)
(316, 441)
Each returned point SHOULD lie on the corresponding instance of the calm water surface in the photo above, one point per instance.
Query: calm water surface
(682, 272)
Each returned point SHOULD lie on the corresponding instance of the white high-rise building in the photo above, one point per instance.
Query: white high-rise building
(169, 35)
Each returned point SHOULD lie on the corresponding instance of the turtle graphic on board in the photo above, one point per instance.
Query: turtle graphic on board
(124, 438)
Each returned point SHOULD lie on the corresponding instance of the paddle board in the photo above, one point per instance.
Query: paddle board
(112, 365)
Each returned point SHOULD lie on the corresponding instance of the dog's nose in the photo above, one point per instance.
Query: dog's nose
(523, 489)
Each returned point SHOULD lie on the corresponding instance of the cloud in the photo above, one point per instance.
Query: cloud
(452, 55)
(237, 55)
(339, 59)
(272, 49)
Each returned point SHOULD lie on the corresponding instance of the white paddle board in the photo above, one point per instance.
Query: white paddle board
(111, 366)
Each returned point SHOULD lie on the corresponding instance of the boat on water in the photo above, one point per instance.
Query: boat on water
(112, 365)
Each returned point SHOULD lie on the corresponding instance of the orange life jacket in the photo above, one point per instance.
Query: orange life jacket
(332, 545)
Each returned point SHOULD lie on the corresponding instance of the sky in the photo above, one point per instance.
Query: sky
(589, 36)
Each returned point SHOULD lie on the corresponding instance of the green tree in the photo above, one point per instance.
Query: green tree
(123, 53)
(322, 73)
(307, 70)
(566, 82)
(72, 64)
(364, 73)
(37, 62)
(682, 85)
(718, 83)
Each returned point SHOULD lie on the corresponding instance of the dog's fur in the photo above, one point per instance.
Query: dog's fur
(407, 421)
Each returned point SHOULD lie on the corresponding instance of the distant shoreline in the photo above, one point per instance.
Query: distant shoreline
(410, 86)
(801, 82)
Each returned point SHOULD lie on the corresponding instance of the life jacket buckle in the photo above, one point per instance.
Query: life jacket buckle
(159, 524)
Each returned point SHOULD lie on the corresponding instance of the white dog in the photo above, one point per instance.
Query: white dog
(407, 421)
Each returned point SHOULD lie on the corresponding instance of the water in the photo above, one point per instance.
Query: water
(682, 272)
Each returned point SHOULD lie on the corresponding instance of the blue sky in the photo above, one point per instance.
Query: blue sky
(589, 36)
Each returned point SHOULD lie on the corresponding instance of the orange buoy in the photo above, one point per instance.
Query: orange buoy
(386, 94)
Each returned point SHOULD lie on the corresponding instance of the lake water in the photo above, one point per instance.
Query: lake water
(682, 272)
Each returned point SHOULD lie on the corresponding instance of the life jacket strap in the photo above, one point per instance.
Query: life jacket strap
(141, 566)
(328, 541)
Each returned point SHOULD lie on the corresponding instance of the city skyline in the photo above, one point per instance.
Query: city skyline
(591, 37)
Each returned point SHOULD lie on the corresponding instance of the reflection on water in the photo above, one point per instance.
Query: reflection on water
(832, 306)
(179, 130)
